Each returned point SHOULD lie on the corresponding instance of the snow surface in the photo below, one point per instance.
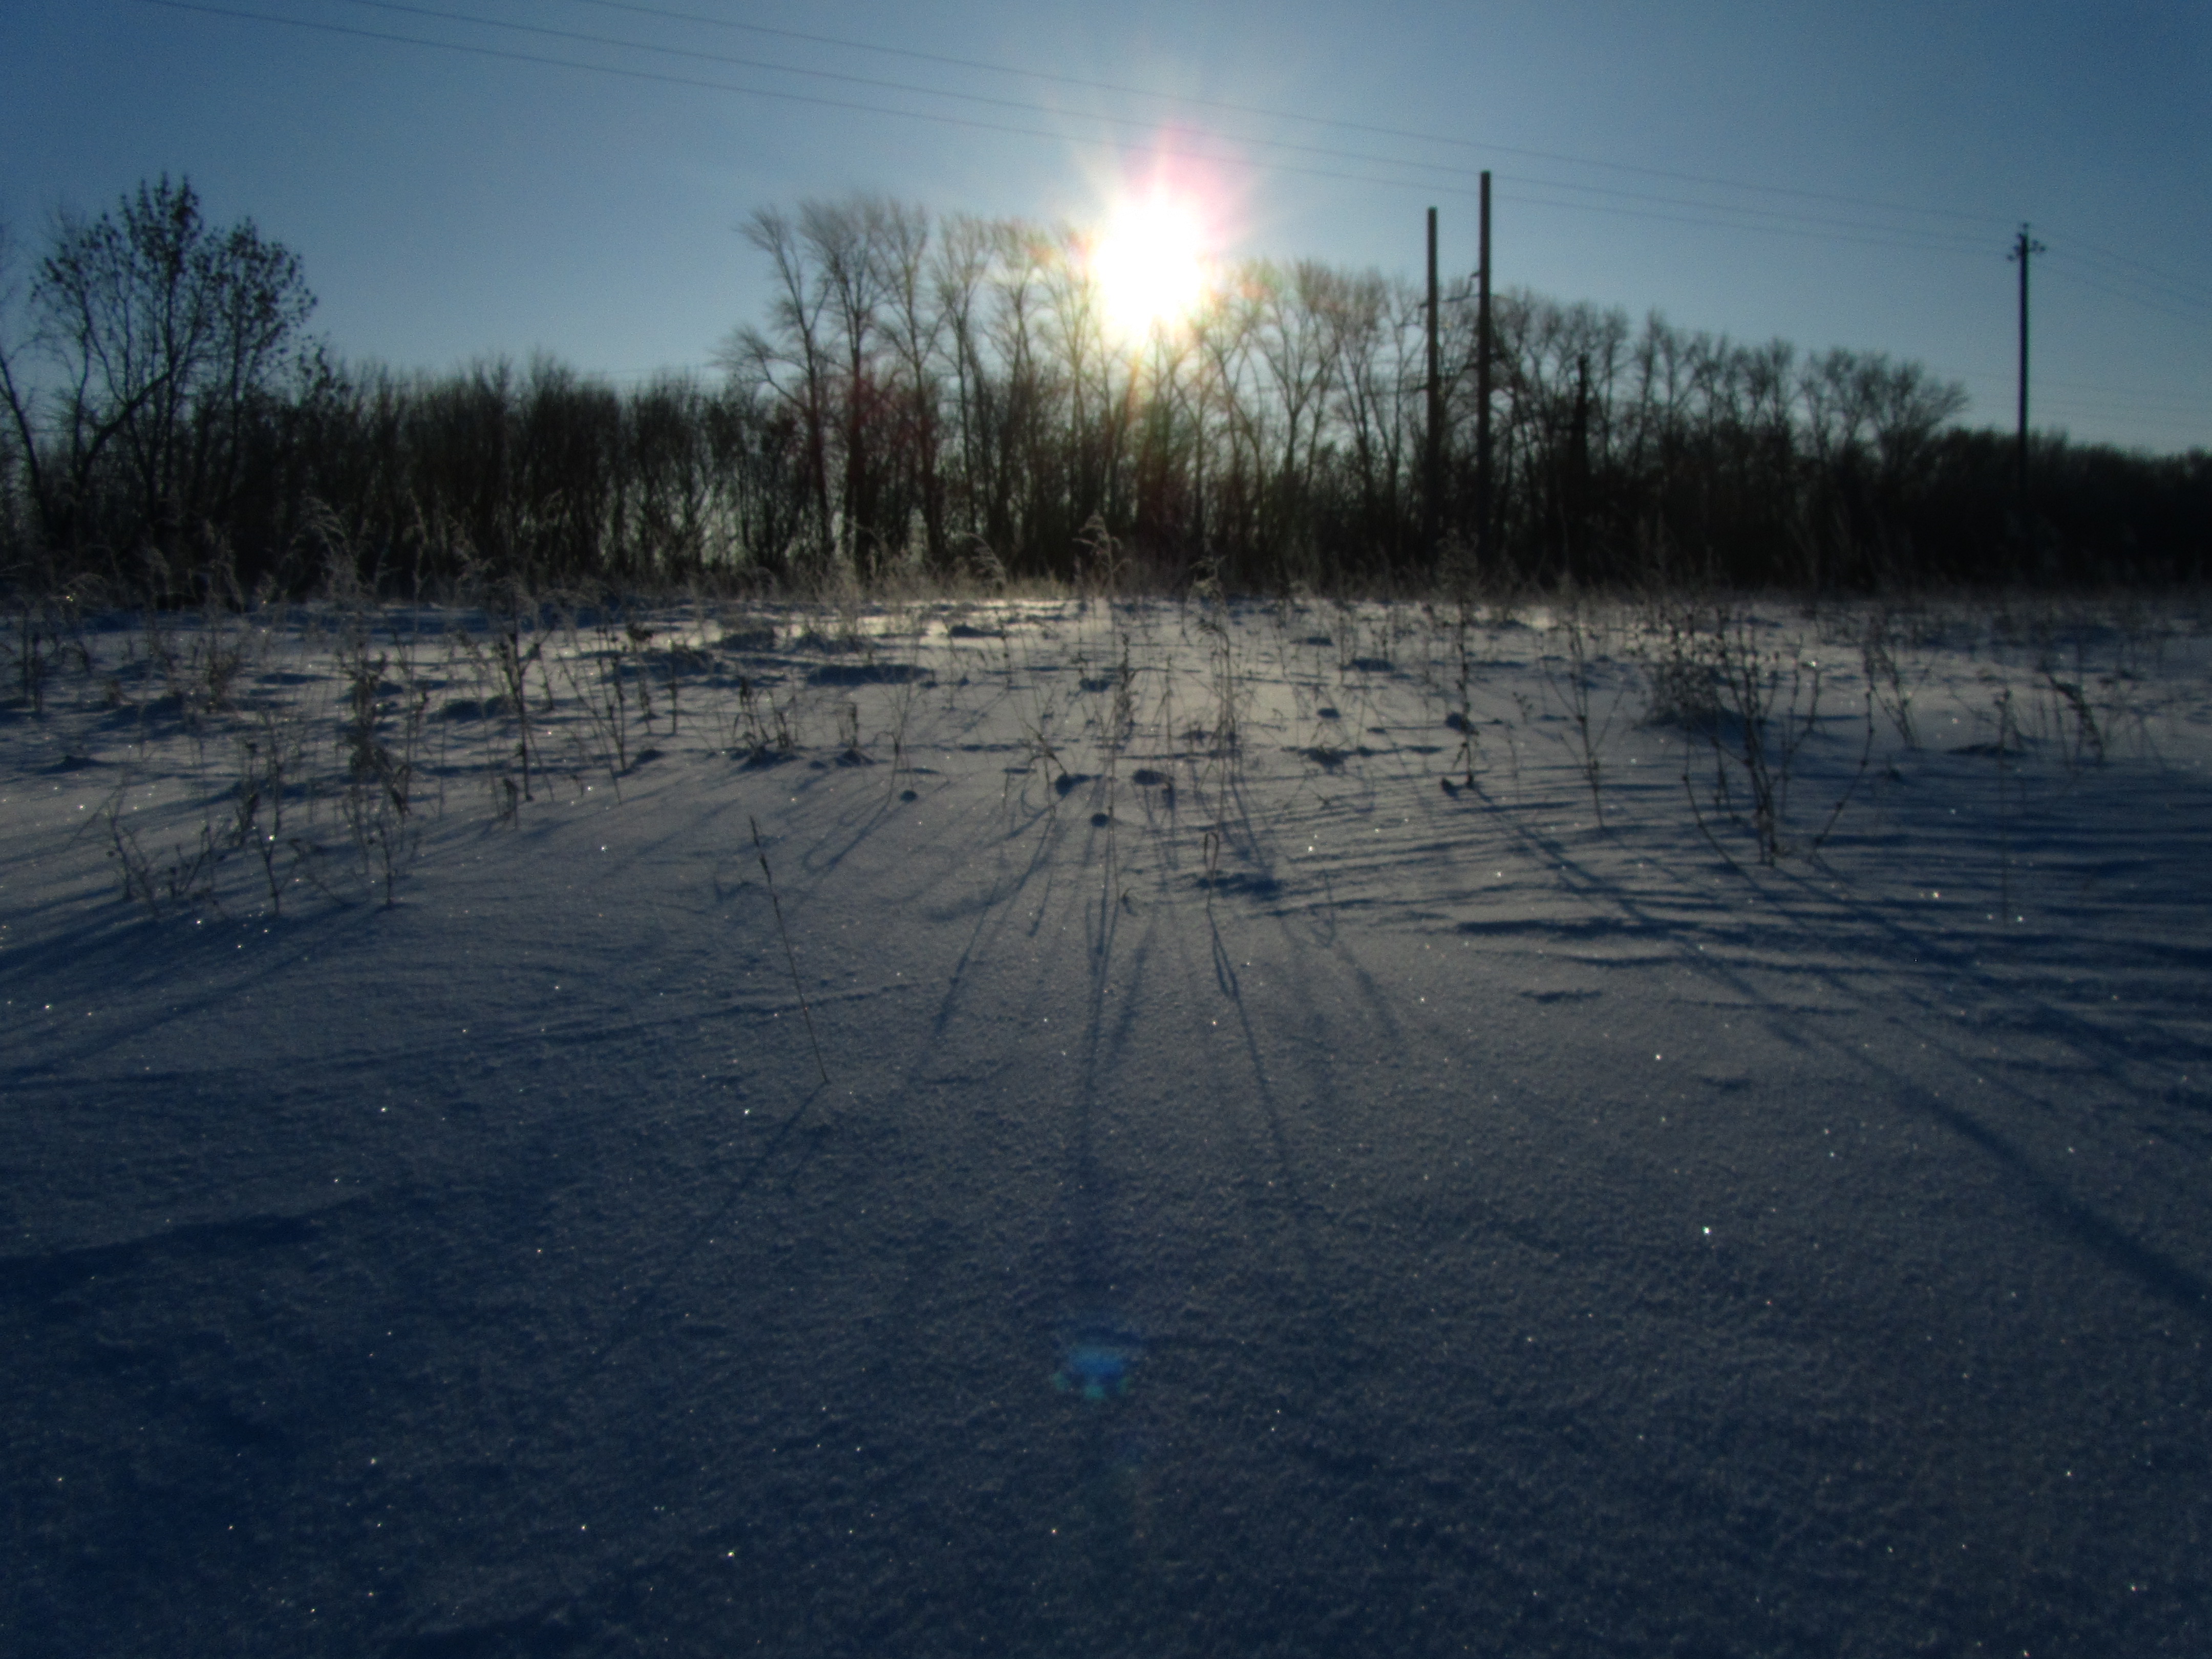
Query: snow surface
(1270, 1195)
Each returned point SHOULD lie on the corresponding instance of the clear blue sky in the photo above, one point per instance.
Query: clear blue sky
(1831, 173)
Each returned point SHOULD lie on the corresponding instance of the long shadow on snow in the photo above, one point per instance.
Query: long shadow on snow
(1298, 1207)
(2164, 1278)
(992, 916)
(149, 964)
(648, 1297)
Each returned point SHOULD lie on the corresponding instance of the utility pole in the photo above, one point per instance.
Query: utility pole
(1432, 474)
(1482, 356)
(2024, 247)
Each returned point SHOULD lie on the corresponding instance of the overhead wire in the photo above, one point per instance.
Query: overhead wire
(1265, 111)
(1026, 106)
(2137, 270)
(1774, 224)
(1764, 220)
(2201, 317)
(2152, 295)
(2198, 409)
(662, 77)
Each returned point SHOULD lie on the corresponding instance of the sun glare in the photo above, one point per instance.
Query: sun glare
(1150, 263)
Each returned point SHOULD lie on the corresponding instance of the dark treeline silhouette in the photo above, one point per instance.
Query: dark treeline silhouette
(943, 397)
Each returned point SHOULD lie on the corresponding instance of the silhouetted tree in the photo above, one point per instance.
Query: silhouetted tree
(164, 341)
(947, 391)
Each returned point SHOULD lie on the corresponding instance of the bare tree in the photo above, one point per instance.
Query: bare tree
(966, 249)
(845, 241)
(1294, 344)
(19, 459)
(917, 329)
(791, 360)
(1028, 448)
(1373, 327)
(162, 337)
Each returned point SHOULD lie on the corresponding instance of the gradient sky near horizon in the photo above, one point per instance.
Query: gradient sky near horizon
(465, 178)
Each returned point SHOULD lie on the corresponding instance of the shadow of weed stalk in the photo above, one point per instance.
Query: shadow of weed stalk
(790, 955)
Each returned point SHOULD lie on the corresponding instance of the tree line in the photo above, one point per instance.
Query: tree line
(944, 396)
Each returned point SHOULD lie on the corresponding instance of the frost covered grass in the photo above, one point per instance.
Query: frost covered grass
(1063, 1123)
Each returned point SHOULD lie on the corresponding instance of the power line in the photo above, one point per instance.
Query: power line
(1325, 152)
(2122, 409)
(661, 77)
(2122, 284)
(1747, 219)
(2118, 432)
(1903, 239)
(2199, 317)
(2179, 288)
(1195, 102)
(2117, 396)
(1024, 106)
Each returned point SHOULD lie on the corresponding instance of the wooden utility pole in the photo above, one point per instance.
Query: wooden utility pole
(1482, 356)
(2024, 247)
(1433, 472)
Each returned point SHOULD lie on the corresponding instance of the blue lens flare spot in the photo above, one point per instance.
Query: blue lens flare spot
(1096, 1360)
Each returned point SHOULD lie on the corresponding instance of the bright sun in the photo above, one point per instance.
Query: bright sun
(1150, 265)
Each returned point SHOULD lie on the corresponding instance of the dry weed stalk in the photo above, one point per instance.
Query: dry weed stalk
(1578, 697)
(1757, 707)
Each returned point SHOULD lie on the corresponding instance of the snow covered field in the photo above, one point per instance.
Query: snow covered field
(1289, 1179)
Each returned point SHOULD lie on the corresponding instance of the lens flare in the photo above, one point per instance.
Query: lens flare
(1151, 263)
(1097, 1355)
